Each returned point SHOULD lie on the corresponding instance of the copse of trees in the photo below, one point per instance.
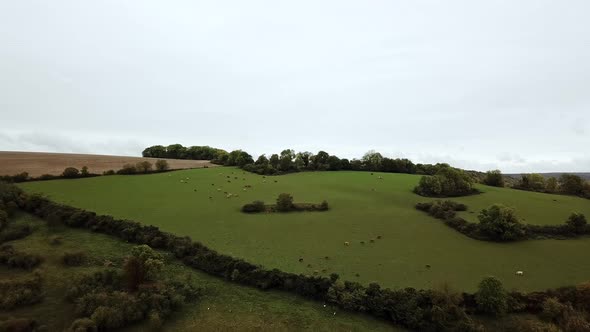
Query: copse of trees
(177, 151)
(501, 223)
(494, 178)
(447, 182)
(566, 184)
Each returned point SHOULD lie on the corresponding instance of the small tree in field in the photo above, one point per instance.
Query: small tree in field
(494, 178)
(143, 166)
(84, 172)
(500, 223)
(162, 165)
(577, 222)
(142, 265)
(284, 202)
(491, 297)
(70, 173)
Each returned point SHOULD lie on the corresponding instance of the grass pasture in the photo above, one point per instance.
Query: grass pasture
(362, 208)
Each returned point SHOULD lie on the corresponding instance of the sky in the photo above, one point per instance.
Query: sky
(478, 84)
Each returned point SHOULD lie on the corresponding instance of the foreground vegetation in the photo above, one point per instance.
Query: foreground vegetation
(220, 305)
(363, 207)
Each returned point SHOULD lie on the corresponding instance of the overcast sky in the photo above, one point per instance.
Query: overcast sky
(478, 84)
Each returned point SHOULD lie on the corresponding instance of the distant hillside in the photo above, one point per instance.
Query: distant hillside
(583, 175)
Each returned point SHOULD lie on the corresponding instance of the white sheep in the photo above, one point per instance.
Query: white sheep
(346, 243)
(519, 273)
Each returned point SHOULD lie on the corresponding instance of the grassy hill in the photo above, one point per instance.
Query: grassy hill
(363, 207)
(222, 306)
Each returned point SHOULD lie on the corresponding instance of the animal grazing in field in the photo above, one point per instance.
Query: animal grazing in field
(362, 242)
(326, 257)
(308, 265)
(300, 260)
(380, 178)
(378, 237)
(520, 273)
(427, 266)
(346, 243)
(372, 240)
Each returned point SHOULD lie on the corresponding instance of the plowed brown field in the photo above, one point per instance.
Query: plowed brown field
(39, 163)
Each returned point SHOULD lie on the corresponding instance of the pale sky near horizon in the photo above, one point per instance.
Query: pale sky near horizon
(478, 84)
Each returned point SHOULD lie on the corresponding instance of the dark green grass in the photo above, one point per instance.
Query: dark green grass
(362, 208)
(223, 306)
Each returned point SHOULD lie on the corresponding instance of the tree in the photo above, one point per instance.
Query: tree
(448, 181)
(551, 185)
(428, 186)
(175, 151)
(243, 159)
(334, 163)
(494, 178)
(262, 160)
(372, 160)
(127, 169)
(284, 202)
(286, 160)
(84, 172)
(320, 160)
(161, 165)
(533, 181)
(70, 173)
(571, 184)
(303, 158)
(577, 222)
(144, 264)
(500, 223)
(274, 160)
(156, 151)
(143, 166)
(491, 297)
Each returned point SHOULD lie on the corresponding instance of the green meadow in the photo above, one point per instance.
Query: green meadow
(363, 207)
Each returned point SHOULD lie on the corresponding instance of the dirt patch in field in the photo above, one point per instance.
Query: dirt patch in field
(39, 163)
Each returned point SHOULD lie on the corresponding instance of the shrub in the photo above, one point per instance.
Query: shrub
(284, 202)
(83, 325)
(577, 222)
(494, 178)
(84, 172)
(552, 309)
(446, 182)
(15, 232)
(76, 258)
(143, 166)
(491, 298)
(13, 258)
(142, 265)
(3, 219)
(324, 205)
(18, 325)
(20, 292)
(254, 207)
(500, 223)
(109, 172)
(127, 169)
(162, 165)
(70, 173)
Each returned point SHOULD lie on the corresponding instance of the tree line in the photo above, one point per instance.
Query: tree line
(501, 223)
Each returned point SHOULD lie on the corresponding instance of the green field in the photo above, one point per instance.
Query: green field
(362, 208)
(223, 306)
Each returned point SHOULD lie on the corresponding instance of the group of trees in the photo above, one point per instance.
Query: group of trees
(568, 184)
(447, 182)
(177, 151)
(284, 203)
(501, 223)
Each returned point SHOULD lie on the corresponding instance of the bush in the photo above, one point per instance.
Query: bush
(491, 298)
(74, 258)
(109, 172)
(494, 178)
(577, 222)
(127, 169)
(161, 165)
(18, 325)
(284, 202)
(500, 223)
(254, 207)
(83, 325)
(144, 264)
(447, 182)
(3, 219)
(552, 310)
(84, 172)
(324, 205)
(143, 166)
(70, 173)
(20, 292)
(13, 258)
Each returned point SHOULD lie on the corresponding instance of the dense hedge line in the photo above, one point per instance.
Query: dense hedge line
(12, 258)
(446, 211)
(20, 292)
(284, 204)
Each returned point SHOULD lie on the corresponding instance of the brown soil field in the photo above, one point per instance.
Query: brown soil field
(39, 163)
